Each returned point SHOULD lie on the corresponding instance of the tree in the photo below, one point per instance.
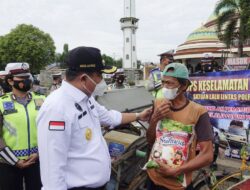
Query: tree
(247, 16)
(27, 43)
(139, 64)
(112, 62)
(60, 57)
(233, 18)
(65, 51)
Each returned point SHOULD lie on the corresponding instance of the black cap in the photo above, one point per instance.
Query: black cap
(87, 59)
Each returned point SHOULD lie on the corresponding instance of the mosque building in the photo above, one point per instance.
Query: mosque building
(205, 40)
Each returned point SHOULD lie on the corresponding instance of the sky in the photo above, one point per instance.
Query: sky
(163, 24)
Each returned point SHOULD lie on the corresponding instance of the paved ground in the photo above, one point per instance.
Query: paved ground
(229, 164)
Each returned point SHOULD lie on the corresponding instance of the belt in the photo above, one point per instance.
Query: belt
(88, 188)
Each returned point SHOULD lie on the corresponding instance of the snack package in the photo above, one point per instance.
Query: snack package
(171, 147)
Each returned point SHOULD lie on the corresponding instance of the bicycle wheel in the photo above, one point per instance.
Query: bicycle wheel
(227, 181)
(205, 183)
(202, 186)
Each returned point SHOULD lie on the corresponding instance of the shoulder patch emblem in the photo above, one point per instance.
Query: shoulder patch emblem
(3, 96)
(9, 107)
(57, 126)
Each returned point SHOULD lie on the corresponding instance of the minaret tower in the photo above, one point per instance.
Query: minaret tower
(129, 25)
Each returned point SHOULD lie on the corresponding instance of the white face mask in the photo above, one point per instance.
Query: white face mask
(170, 94)
(100, 88)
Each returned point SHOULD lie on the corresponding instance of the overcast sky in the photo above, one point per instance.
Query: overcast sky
(163, 24)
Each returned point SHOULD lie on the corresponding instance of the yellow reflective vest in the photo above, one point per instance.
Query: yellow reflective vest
(158, 94)
(19, 124)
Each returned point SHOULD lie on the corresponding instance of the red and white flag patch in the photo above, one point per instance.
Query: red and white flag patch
(56, 125)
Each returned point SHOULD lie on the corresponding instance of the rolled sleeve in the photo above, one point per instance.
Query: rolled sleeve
(53, 146)
(110, 118)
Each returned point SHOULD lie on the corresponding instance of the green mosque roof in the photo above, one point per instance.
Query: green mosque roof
(206, 32)
(203, 33)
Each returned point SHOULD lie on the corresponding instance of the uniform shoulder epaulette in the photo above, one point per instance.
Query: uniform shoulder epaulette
(3, 96)
(38, 93)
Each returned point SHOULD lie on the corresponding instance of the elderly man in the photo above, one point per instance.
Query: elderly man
(176, 126)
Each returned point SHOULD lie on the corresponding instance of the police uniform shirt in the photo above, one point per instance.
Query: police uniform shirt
(72, 150)
(152, 83)
(54, 87)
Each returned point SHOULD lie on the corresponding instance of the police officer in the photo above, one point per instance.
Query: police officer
(154, 83)
(18, 139)
(57, 81)
(4, 87)
(208, 64)
(73, 152)
(119, 78)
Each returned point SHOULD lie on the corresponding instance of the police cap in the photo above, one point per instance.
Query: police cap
(18, 69)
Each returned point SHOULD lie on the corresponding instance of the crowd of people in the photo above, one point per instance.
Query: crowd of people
(56, 143)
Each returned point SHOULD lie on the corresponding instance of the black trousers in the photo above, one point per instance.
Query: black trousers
(88, 188)
(152, 186)
(12, 178)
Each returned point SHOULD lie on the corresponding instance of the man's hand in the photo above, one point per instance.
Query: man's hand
(145, 114)
(167, 171)
(162, 110)
(32, 159)
(28, 162)
(21, 164)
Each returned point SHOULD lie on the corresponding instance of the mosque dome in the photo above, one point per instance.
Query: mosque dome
(202, 40)
(203, 33)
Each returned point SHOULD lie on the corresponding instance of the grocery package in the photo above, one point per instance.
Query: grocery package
(173, 140)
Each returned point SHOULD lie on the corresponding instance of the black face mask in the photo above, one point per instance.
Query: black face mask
(6, 88)
(208, 68)
(23, 85)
